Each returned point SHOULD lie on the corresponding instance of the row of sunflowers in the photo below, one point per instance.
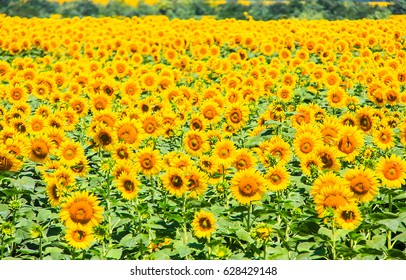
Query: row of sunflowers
(149, 138)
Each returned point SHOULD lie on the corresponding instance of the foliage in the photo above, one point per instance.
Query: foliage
(311, 9)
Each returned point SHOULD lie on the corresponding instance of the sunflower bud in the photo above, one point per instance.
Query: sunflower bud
(7, 228)
(36, 231)
(261, 232)
(14, 205)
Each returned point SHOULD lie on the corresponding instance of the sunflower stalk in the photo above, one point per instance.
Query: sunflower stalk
(389, 233)
(333, 246)
(249, 217)
(184, 219)
(265, 244)
(40, 248)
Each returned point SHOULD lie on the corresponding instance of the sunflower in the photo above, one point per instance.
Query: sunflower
(81, 208)
(363, 183)
(17, 146)
(304, 114)
(79, 105)
(149, 81)
(151, 125)
(9, 162)
(204, 224)
(277, 178)
(40, 148)
(224, 152)
(310, 165)
(248, 185)
(70, 152)
(122, 151)
(195, 143)
(196, 181)
(129, 131)
(350, 141)
(236, 115)
(101, 101)
(197, 122)
(279, 149)
(325, 180)
(175, 182)
(332, 196)
(208, 164)
(211, 112)
(104, 137)
(81, 168)
(128, 185)
(79, 236)
(330, 130)
(57, 136)
(348, 216)
(364, 119)
(285, 93)
(54, 191)
(391, 171)
(306, 143)
(148, 161)
(336, 97)
(384, 138)
(244, 159)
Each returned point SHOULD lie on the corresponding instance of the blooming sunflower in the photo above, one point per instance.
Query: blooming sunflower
(79, 236)
(325, 180)
(306, 143)
(175, 182)
(195, 142)
(330, 130)
(70, 152)
(277, 178)
(244, 159)
(54, 191)
(236, 115)
(328, 157)
(129, 131)
(81, 208)
(122, 151)
(8, 162)
(384, 138)
(128, 185)
(104, 137)
(40, 148)
(348, 216)
(363, 182)
(364, 119)
(248, 185)
(391, 171)
(196, 181)
(204, 224)
(148, 161)
(333, 196)
(310, 164)
(350, 141)
(224, 152)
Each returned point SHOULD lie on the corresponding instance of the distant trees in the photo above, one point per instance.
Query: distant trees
(309, 9)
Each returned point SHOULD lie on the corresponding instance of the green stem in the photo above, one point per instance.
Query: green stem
(40, 248)
(265, 244)
(103, 256)
(249, 217)
(138, 215)
(333, 247)
(184, 219)
(2, 247)
(389, 233)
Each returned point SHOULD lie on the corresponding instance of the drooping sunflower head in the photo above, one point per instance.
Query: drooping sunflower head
(262, 232)
(204, 224)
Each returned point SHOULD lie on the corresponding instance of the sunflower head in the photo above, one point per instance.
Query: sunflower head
(204, 224)
(262, 232)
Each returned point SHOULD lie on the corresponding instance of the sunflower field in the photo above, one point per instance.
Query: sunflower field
(150, 138)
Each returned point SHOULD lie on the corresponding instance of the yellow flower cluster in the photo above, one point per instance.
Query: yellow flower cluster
(177, 101)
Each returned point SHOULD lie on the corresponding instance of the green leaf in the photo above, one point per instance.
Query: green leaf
(401, 237)
(129, 241)
(325, 231)
(244, 235)
(253, 141)
(154, 226)
(305, 246)
(383, 216)
(114, 254)
(396, 254)
(181, 249)
(377, 242)
(392, 224)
